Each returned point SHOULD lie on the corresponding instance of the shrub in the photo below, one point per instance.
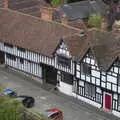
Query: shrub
(10, 109)
(95, 20)
(56, 3)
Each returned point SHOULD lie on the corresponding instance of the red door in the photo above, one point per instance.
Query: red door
(108, 102)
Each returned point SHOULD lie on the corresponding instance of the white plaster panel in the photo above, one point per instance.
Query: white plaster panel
(78, 67)
(87, 60)
(78, 74)
(103, 78)
(114, 87)
(114, 74)
(92, 61)
(118, 89)
(93, 67)
(116, 69)
(115, 96)
(87, 78)
(103, 84)
(109, 86)
(95, 73)
(98, 90)
(82, 77)
(93, 80)
(112, 79)
(83, 60)
(81, 83)
(97, 82)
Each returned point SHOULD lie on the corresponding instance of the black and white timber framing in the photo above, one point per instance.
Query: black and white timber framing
(99, 88)
(37, 64)
(79, 76)
(83, 79)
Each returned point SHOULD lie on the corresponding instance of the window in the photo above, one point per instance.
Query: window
(21, 49)
(119, 102)
(21, 61)
(118, 78)
(8, 45)
(89, 90)
(85, 68)
(64, 61)
(12, 57)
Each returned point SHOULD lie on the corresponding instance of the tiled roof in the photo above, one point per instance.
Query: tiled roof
(77, 44)
(83, 9)
(32, 33)
(31, 7)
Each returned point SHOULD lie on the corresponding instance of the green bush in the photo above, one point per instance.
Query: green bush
(56, 3)
(95, 20)
(10, 109)
(13, 109)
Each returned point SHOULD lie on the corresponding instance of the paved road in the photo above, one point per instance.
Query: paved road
(73, 109)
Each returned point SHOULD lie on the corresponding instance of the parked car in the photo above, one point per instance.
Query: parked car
(10, 93)
(27, 101)
(54, 114)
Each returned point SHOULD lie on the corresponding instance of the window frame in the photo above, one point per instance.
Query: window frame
(21, 61)
(8, 45)
(85, 68)
(21, 49)
(63, 60)
(90, 90)
(11, 57)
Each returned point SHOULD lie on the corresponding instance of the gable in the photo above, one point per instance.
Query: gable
(62, 50)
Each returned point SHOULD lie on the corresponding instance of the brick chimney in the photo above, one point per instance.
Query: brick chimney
(116, 27)
(46, 13)
(5, 3)
(104, 23)
(64, 19)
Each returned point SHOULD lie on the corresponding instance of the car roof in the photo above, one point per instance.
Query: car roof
(53, 110)
(50, 112)
(7, 91)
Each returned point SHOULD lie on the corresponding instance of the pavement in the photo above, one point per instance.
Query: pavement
(46, 97)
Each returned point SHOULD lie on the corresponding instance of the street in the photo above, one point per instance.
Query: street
(73, 109)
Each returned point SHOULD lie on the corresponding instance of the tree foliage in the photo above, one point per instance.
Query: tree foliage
(56, 3)
(10, 109)
(95, 20)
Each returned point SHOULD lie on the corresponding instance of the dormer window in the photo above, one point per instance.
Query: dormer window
(63, 60)
(86, 68)
(21, 49)
(8, 45)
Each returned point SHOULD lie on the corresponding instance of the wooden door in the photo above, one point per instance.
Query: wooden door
(108, 101)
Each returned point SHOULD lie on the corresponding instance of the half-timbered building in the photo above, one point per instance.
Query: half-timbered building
(36, 47)
(86, 66)
(97, 72)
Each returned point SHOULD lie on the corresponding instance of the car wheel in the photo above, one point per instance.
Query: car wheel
(31, 104)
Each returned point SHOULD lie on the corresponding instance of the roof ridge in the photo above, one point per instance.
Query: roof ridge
(75, 34)
(37, 18)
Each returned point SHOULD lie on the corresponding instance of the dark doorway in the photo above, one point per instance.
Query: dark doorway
(2, 57)
(50, 75)
(67, 78)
